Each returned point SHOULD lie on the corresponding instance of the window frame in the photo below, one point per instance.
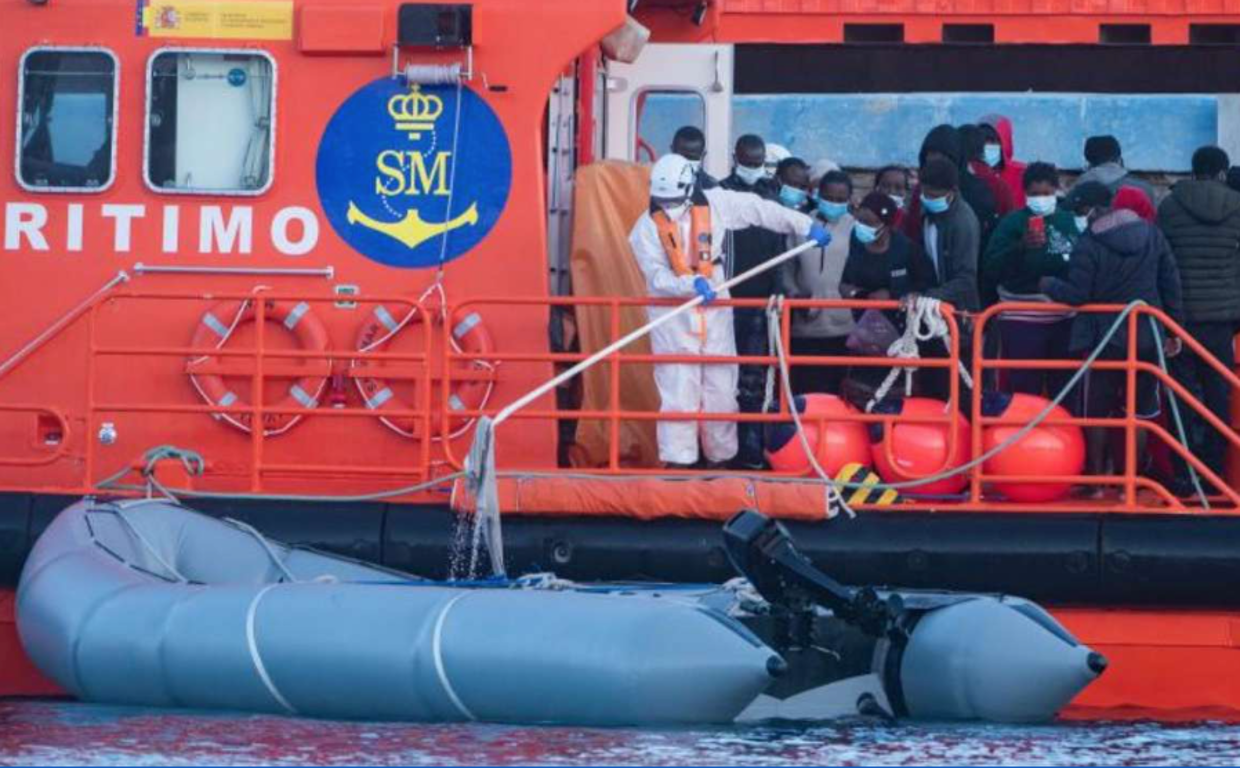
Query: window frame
(647, 89)
(146, 122)
(115, 117)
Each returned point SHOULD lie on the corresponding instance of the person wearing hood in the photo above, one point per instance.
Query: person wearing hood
(1030, 244)
(973, 137)
(1201, 219)
(690, 143)
(1118, 259)
(678, 244)
(999, 153)
(815, 274)
(1133, 199)
(944, 142)
(747, 248)
(1105, 158)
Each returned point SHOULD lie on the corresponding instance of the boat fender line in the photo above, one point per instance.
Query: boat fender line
(251, 640)
(441, 670)
(214, 333)
(468, 335)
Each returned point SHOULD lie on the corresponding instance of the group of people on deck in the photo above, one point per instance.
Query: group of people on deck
(971, 226)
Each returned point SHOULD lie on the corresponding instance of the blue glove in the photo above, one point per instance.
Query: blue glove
(819, 235)
(704, 289)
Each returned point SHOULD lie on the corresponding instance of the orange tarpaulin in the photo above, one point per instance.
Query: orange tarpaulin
(653, 498)
(608, 198)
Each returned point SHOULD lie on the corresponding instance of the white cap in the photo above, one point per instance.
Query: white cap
(671, 179)
(774, 154)
(821, 168)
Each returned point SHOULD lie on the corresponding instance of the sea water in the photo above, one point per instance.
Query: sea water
(63, 733)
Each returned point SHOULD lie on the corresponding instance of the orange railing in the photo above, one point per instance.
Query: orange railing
(269, 364)
(1130, 481)
(262, 363)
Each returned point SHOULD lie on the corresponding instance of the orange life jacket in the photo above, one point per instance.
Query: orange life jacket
(699, 260)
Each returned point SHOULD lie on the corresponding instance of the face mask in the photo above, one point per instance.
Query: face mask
(676, 212)
(993, 155)
(1082, 224)
(749, 175)
(865, 233)
(792, 197)
(832, 211)
(935, 204)
(696, 165)
(1042, 205)
(898, 200)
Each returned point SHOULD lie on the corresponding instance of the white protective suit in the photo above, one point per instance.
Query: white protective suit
(688, 388)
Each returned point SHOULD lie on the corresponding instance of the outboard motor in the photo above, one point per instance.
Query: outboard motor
(932, 655)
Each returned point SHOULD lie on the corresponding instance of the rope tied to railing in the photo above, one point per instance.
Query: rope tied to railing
(924, 321)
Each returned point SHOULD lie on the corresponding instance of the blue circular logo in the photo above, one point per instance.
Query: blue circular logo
(411, 175)
(236, 77)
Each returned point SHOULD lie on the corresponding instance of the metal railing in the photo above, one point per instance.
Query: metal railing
(439, 363)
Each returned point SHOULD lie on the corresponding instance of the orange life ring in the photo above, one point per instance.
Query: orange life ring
(471, 386)
(218, 325)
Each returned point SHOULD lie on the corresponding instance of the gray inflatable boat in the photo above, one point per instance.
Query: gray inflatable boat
(150, 603)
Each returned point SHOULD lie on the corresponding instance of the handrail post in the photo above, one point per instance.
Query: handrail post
(975, 405)
(89, 435)
(1130, 417)
(613, 426)
(257, 430)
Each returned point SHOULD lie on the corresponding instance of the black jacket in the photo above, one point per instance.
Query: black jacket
(1201, 220)
(1122, 258)
(959, 245)
(947, 139)
(747, 248)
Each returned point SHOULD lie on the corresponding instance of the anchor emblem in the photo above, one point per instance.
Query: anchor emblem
(411, 230)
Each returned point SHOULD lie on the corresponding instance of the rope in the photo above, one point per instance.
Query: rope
(924, 321)
(266, 545)
(118, 510)
(832, 498)
(1175, 415)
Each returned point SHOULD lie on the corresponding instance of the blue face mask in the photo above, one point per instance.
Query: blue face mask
(993, 155)
(1042, 205)
(865, 233)
(832, 211)
(792, 197)
(935, 204)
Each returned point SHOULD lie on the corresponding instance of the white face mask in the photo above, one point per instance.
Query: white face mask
(696, 165)
(1082, 224)
(898, 200)
(1041, 205)
(676, 212)
(749, 175)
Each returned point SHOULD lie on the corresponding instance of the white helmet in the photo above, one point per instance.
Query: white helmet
(671, 179)
(774, 154)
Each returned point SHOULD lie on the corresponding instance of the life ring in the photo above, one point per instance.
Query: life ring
(473, 380)
(218, 325)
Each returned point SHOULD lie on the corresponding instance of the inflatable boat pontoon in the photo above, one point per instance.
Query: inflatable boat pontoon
(150, 603)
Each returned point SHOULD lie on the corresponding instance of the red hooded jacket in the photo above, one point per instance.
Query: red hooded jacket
(1010, 170)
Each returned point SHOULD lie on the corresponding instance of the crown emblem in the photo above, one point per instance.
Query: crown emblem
(415, 112)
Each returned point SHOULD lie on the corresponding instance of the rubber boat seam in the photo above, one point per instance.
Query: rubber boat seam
(437, 656)
(251, 615)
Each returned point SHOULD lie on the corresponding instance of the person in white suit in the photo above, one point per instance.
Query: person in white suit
(678, 244)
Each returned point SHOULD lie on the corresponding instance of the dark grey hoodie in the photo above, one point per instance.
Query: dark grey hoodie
(1201, 220)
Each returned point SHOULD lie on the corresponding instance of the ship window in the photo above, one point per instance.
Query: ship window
(660, 113)
(66, 139)
(210, 122)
